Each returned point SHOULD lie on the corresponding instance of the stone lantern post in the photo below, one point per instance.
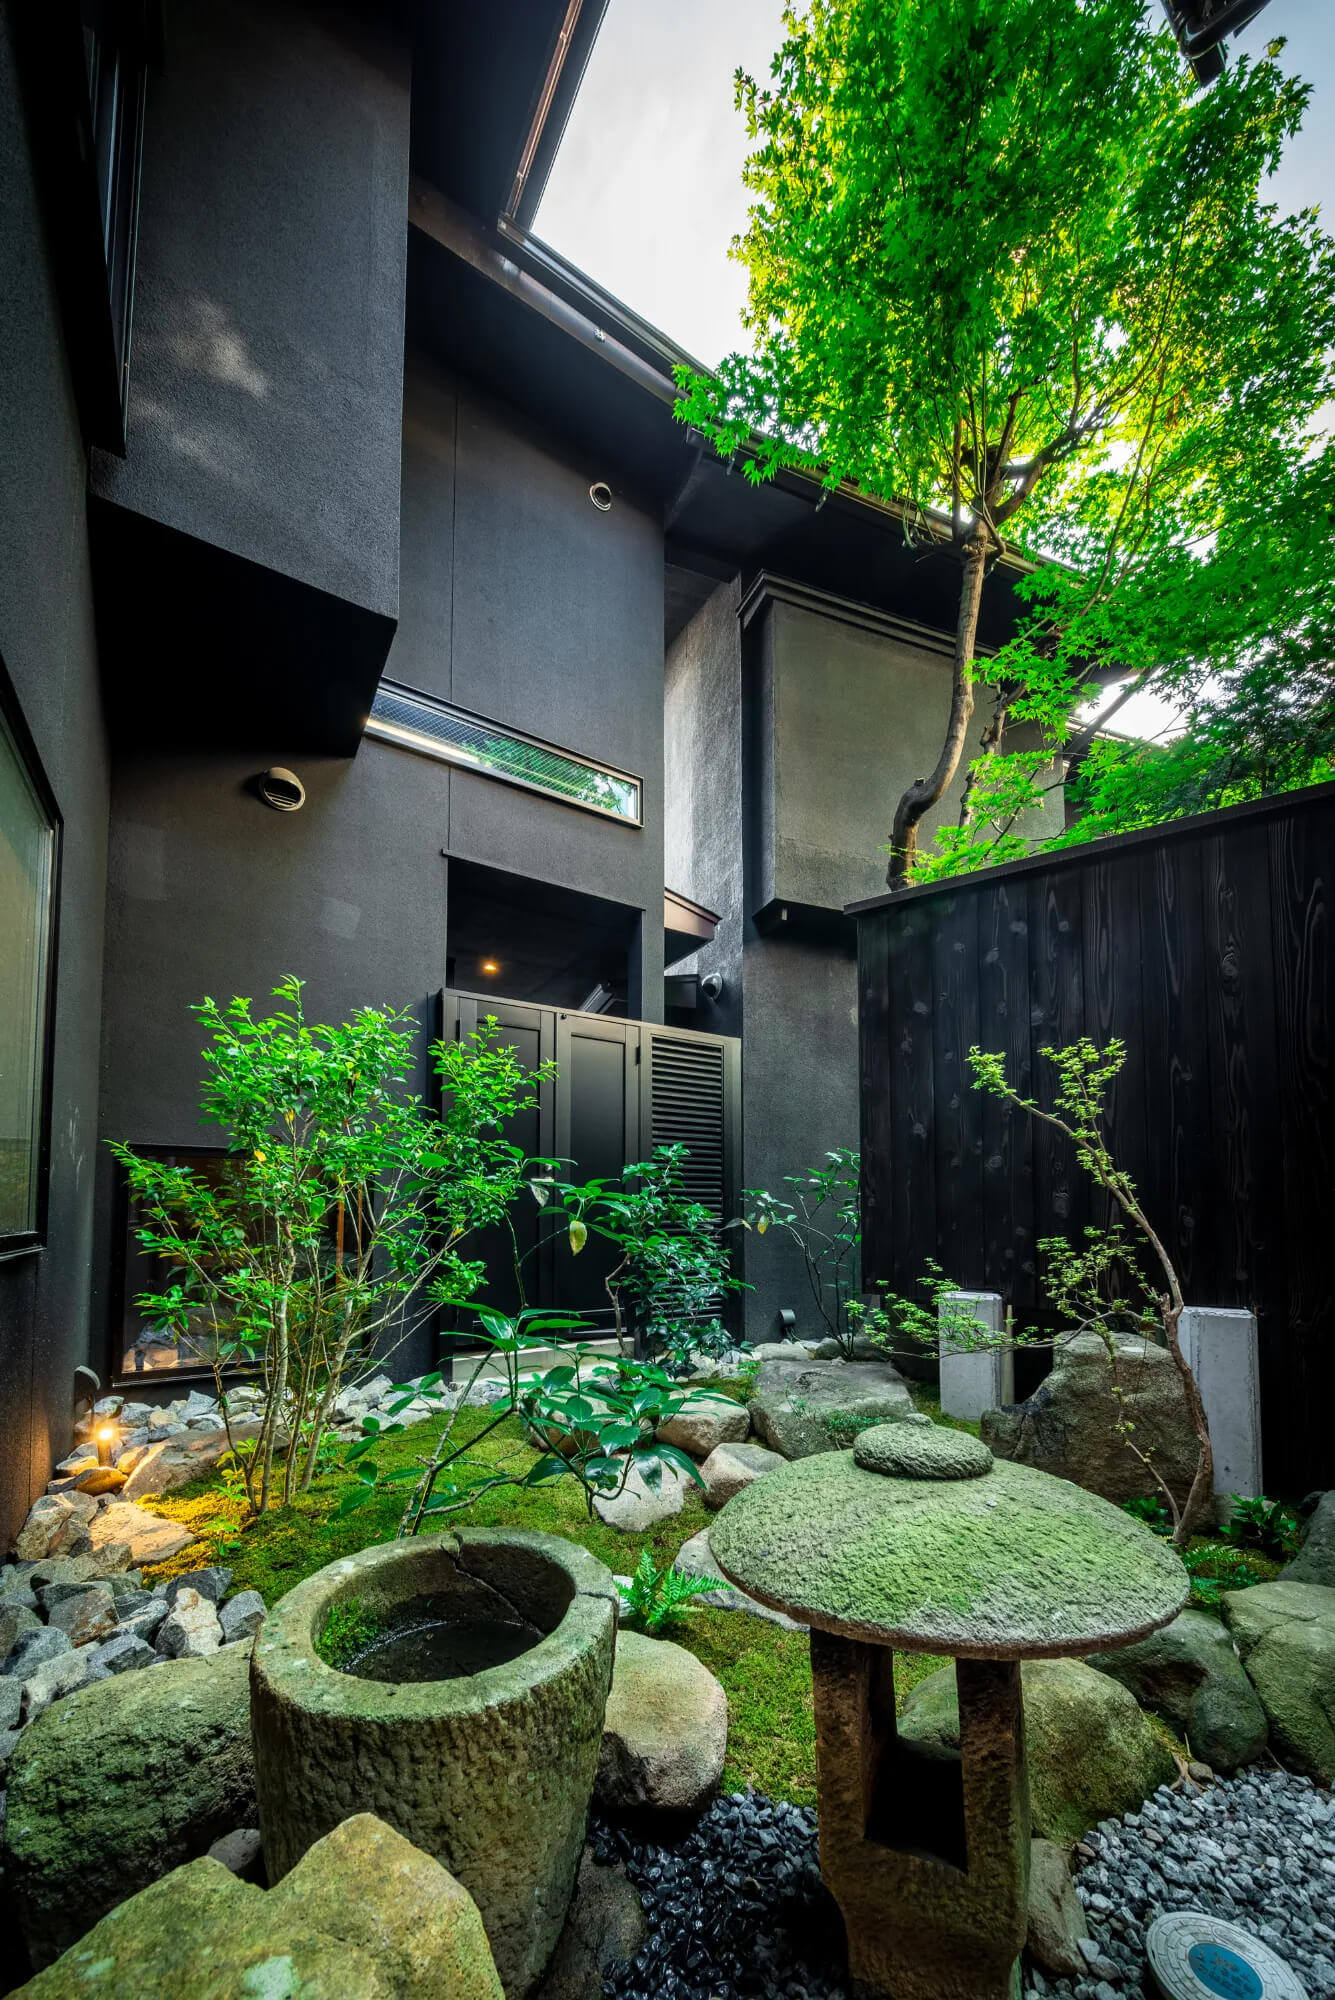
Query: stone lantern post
(917, 1540)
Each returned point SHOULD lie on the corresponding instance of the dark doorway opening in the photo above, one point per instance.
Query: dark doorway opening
(532, 941)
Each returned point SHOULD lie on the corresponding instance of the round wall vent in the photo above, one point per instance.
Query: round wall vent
(283, 790)
(601, 495)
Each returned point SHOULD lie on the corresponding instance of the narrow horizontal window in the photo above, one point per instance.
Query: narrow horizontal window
(419, 722)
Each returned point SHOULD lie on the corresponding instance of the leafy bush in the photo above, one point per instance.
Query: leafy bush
(824, 1219)
(1267, 1525)
(672, 1271)
(657, 1597)
(333, 1224)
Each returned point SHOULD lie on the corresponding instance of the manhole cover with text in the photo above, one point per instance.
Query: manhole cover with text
(1196, 1957)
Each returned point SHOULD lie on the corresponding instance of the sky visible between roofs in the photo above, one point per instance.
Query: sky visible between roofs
(646, 191)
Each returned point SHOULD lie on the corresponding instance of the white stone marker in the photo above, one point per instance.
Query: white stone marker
(1219, 1343)
(982, 1378)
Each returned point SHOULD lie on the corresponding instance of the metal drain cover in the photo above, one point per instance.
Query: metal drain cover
(1197, 1957)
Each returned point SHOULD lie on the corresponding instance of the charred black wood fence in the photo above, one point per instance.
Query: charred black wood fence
(1208, 946)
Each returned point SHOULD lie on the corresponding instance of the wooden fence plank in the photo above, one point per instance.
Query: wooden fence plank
(1009, 1265)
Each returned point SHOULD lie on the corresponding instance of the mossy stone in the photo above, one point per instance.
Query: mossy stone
(801, 1407)
(363, 1916)
(1091, 1754)
(921, 1451)
(490, 1773)
(121, 1781)
(1285, 1633)
(1014, 1565)
(1190, 1675)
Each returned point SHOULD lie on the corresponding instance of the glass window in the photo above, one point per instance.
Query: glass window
(27, 866)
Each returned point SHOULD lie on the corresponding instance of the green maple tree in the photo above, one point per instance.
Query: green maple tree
(1012, 272)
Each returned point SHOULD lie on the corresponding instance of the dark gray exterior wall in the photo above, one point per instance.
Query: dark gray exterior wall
(525, 603)
(785, 748)
(48, 646)
(266, 375)
(507, 593)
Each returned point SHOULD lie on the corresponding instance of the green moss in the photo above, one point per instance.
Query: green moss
(347, 1628)
(1014, 1562)
(929, 1405)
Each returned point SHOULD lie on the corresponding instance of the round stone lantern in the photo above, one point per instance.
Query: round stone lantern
(917, 1540)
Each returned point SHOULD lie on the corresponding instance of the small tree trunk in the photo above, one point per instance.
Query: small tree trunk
(923, 793)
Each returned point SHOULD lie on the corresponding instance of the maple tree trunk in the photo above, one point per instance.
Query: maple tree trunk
(923, 793)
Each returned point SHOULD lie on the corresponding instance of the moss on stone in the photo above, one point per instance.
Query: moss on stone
(346, 1629)
(1015, 1565)
(921, 1451)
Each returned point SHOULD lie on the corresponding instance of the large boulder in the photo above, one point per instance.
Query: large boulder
(121, 1781)
(1092, 1755)
(1069, 1425)
(730, 1467)
(1190, 1674)
(55, 1526)
(1285, 1633)
(148, 1537)
(1315, 1560)
(363, 1916)
(702, 1424)
(665, 1732)
(802, 1407)
(175, 1461)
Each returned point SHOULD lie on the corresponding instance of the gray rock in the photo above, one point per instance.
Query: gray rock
(640, 1506)
(119, 1783)
(800, 1408)
(11, 1701)
(108, 1406)
(730, 1467)
(191, 1628)
(1190, 1674)
(210, 1583)
(128, 1583)
(699, 1427)
(1315, 1560)
(8, 1744)
(122, 1653)
(241, 1616)
(242, 1852)
(665, 1732)
(1067, 1427)
(15, 1619)
(605, 1927)
(144, 1537)
(63, 1569)
(43, 1642)
(53, 1528)
(87, 1614)
(144, 1624)
(1056, 1919)
(55, 1676)
(696, 1558)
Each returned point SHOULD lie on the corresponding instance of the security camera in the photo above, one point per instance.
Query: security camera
(712, 985)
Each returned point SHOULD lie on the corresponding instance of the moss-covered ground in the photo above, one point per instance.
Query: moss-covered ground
(764, 1670)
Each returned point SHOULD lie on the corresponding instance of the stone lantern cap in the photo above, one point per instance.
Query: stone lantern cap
(918, 1540)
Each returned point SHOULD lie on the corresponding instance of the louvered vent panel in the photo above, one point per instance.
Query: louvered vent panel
(687, 1095)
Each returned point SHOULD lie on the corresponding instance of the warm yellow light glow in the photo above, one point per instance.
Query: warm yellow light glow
(106, 1434)
(490, 965)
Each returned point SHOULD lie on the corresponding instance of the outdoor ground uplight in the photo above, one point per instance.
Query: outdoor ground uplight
(918, 1539)
(106, 1438)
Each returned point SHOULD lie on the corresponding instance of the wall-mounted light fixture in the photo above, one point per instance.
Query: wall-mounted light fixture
(283, 790)
(491, 967)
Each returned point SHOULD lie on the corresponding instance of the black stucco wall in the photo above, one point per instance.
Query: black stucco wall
(521, 601)
(266, 377)
(48, 648)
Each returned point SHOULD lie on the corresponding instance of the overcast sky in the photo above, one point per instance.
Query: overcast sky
(646, 191)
